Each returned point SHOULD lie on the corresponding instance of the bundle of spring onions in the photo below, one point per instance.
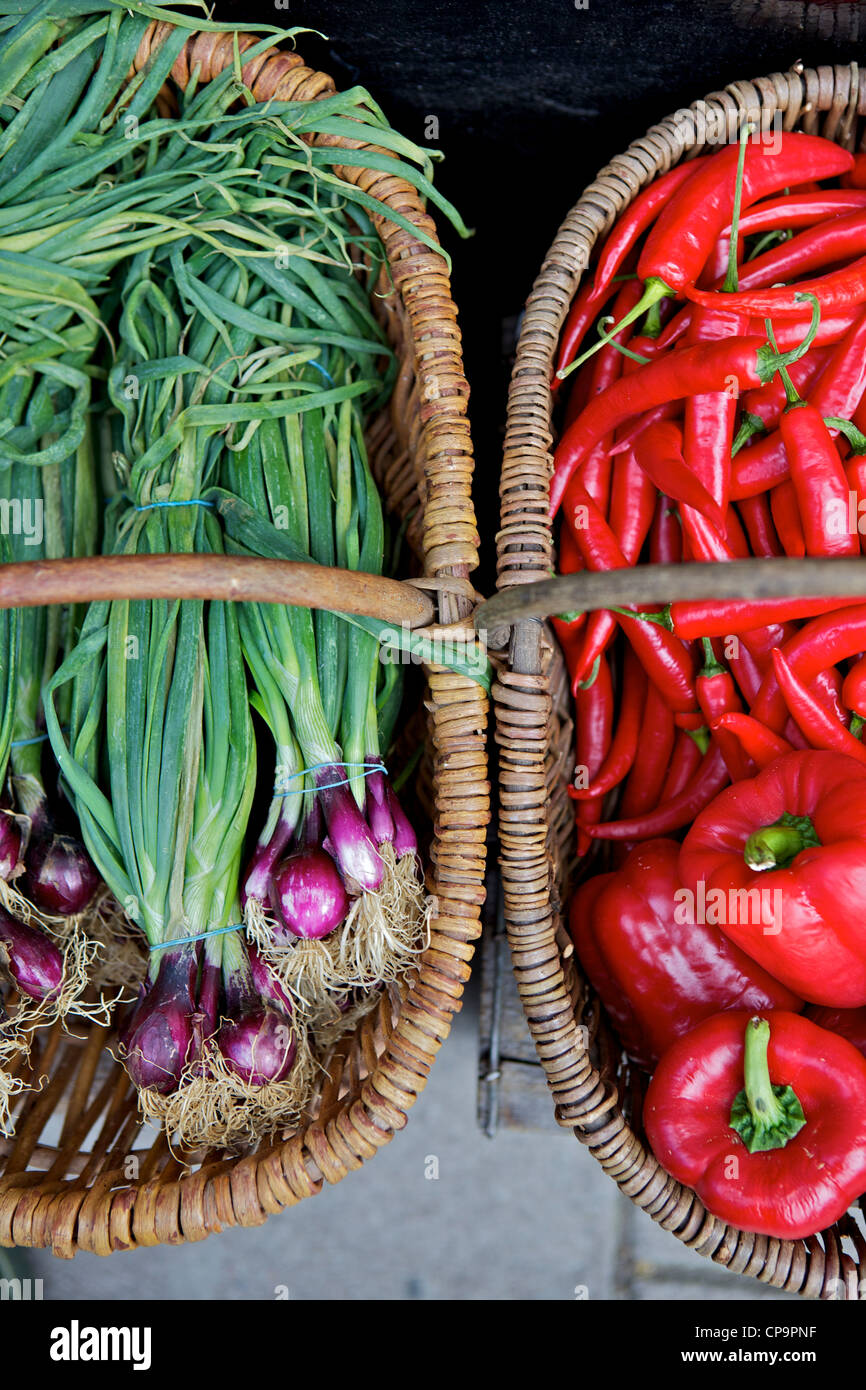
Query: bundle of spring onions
(198, 284)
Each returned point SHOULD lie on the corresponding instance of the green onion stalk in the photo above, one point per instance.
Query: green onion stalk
(332, 896)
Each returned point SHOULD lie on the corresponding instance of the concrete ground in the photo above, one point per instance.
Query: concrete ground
(442, 1213)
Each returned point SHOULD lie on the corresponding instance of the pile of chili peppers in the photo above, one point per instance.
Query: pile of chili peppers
(718, 412)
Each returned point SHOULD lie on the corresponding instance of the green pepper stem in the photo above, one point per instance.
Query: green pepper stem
(731, 282)
(775, 846)
(856, 438)
(749, 427)
(765, 1116)
(654, 290)
(770, 360)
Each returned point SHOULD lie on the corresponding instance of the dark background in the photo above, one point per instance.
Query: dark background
(532, 100)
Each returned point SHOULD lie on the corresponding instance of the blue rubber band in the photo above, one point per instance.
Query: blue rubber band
(327, 375)
(367, 771)
(25, 742)
(202, 936)
(193, 502)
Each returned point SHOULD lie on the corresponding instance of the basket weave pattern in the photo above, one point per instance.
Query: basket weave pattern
(77, 1189)
(593, 1096)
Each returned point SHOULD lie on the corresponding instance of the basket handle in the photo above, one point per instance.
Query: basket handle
(818, 577)
(247, 579)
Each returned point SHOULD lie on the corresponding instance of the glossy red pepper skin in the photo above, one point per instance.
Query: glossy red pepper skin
(657, 971)
(666, 535)
(821, 728)
(708, 418)
(830, 243)
(718, 695)
(854, 688)
(685, 760)
(789, 1192)
(823, 642)
(623, 746)
(837, 391)
(643, 787)
(803, 211)
(704, 367)
(659, 452)
(835, 291)
(819, 481)
(671, 815)
(768, 402)
(785, 511)
(593, 730)
(689, 227)
(758, 742)
(848, 1023)
(819, 900)
(758, 520)
(723, 618)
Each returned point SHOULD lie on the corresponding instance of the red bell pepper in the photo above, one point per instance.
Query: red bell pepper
(657, 970)
(795, 835)
(765, 1118)
(848, 1023)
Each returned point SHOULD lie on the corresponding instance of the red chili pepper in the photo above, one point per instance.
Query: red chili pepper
(593, 726)
(733, 364)
(708, 420)
(798, 832)
(684, 235)
(830, 243)
(854, 688)
(672, 815)
(758, 520)
(819, 482)
(684, 763)
(768, 402)
(639, 215)
(823, 642)
(790, 330)
(623, 748)
(786, 519)
(665, 659)
(631, 513)
(839, 289)
(666, 535)
(765, 1118)
(827, 690)
(659, 452)
(758, 742)
(724, 618)
(856, 177)
(585, 309)
(658, 971)
(643, 787)
(802, 211)
(837, 392)
(717, 695)
(821, 729)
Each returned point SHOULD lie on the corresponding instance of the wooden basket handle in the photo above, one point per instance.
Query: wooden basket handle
(832, 577)
(245, 579)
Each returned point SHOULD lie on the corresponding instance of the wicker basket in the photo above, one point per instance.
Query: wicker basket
(594, 1095)
(67, 1181)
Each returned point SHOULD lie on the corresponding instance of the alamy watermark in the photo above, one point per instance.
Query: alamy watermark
(22, 516)
(703, 124)
(722, 907)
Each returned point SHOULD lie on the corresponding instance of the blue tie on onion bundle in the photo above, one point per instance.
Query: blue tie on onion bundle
(243, 362)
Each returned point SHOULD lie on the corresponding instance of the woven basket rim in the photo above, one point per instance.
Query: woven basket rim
(826, 100)
(109, 1212)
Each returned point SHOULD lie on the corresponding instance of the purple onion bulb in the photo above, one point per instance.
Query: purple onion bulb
(60, 875)
(309, 895)
(259, 1047)
(33, 960)
(163, 1031)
